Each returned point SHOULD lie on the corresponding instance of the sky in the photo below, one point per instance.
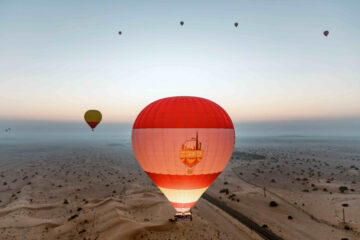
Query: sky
(61, 58)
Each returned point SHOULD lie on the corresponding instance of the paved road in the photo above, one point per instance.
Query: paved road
(263, 232)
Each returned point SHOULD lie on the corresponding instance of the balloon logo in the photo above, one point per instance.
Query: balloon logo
(191, 153)
(326, 33)
(183, 144)
(93, 118)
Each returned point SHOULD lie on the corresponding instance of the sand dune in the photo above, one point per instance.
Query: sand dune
(20, 206)
(25, 222)
(87, 196)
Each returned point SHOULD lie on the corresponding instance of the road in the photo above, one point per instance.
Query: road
(263, 232)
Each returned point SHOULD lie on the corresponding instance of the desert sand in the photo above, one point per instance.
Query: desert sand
(100, 192)
(303, 181)
(97, 193)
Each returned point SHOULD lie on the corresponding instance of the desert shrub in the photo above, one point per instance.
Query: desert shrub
(273, 204)
(224, 190)
(232, 197)
(73, 217)
(342, 189)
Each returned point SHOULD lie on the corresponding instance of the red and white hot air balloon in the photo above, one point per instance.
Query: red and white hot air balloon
(183, 144)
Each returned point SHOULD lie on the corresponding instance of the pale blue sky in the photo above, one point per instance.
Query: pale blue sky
(58, 59)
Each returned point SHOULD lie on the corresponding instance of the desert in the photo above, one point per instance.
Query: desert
(98, 191)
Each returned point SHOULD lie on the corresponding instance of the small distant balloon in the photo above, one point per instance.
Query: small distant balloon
(236, 24)
(120, 32)
(93, 118)
(326, 33)
(182, 23)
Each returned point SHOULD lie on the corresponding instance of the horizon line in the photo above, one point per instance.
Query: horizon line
(234, 121)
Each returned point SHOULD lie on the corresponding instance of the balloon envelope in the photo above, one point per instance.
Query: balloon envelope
(181, 23)
(326, 33)
(236, 24)
(183, 144)
(93, 118)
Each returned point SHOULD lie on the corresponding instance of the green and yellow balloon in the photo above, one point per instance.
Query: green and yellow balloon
(93, 118)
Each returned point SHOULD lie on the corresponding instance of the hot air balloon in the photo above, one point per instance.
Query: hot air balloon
(236, 24)
(326, 33)
(183, 144)
(181, 23)
(93, 118)
(120, 32)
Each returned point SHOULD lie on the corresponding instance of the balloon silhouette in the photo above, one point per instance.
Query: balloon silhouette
(181, 23)
(93, 118)
(236, 24)
(183, 144)
(326, 33)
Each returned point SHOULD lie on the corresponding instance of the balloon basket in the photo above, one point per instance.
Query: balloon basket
(183, 217)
